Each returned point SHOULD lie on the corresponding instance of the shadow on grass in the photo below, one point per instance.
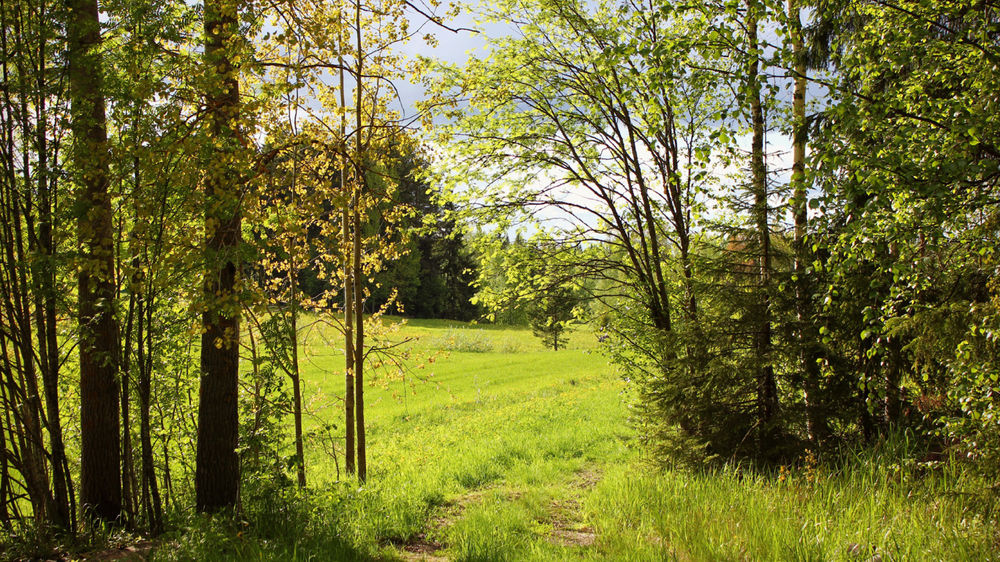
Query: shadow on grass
(276, 524)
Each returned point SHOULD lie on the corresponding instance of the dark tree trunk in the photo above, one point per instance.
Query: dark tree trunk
(359, 341)
(5, 495)
(359, 297)
(100, 462)
(217, 468)
(10, 452)
(168, 483)
(300, 454)
(893, 377)
(150, 489)
(128, 463)
(767, 394)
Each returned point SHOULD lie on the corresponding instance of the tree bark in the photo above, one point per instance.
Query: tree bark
(359, 297)
(359, 343)
(128, 462)
(217, 468)
(150, 489)
(100, 463)
(296, 381)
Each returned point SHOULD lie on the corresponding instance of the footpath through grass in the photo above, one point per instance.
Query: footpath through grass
(513, 452)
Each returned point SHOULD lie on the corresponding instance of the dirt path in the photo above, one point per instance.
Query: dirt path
(564, 519)
(568, 527)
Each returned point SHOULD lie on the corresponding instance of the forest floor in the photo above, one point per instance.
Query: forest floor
(493, 448)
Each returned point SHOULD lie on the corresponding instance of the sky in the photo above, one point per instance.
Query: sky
(453, 47)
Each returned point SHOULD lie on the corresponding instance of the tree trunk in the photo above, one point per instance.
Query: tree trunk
(767, 395)
(893, 375)
(359, 297)
(217, 468)
(150, 490)
(128, 462)
(359, 341)
(296, 383)
(6, 499)
(347, 253)
(808, 336)
(100, 463)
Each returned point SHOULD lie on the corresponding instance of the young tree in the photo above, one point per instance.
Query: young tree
(594, 120)
(806, 332)
(356, 41)
(551, 313)
(32, 113)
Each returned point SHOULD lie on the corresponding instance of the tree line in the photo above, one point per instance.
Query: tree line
(785, 212)
(193, 181)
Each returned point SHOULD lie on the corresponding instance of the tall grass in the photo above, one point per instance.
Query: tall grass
(472, 340)
(872, 505)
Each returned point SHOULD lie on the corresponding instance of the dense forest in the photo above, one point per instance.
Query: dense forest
(779, 219)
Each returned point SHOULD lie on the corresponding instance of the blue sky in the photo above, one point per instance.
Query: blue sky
(452, 47)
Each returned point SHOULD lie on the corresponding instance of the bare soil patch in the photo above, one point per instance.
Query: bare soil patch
(131, 553)
(422, 548)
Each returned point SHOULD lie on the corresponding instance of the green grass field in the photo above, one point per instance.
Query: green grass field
(497, 449)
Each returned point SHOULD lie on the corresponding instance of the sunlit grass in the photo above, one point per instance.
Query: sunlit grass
(491, 454)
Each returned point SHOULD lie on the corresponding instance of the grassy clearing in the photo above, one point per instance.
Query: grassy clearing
(513, 452)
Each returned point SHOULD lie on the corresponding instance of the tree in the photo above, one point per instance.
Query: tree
(158, 208)
(217, 476)
(551, 314)
(348, 171)
(433, 277)
(595, 120)
(571, 99)
(804, 314)
(909, 175)
(100, 495)
(767, 390)
(32, 118)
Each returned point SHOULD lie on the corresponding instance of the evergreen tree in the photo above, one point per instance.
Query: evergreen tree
(551, 313)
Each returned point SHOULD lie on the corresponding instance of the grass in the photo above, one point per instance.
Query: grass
(497, 449)
(731, 515)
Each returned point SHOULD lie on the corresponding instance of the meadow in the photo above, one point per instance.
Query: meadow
(498, 449)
